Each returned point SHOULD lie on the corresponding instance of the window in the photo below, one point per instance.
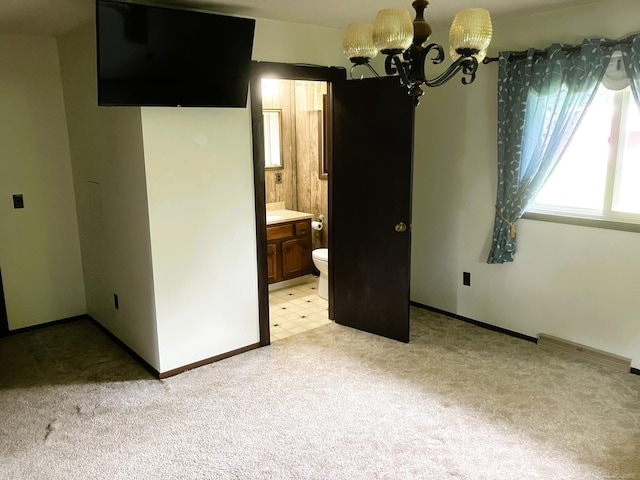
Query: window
(598, 175)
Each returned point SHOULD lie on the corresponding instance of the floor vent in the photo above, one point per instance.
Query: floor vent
(586, 353)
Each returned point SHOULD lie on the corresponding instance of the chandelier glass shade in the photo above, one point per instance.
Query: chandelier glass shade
(393, 31)
(358, 44)
(471, 30)
(403, 42)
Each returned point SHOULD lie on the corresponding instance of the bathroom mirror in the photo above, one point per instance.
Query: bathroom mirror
(272, 138)
(324, 139)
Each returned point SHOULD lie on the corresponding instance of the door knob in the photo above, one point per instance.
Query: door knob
(401, 227)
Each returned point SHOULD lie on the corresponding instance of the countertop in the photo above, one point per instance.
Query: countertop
(281, 216)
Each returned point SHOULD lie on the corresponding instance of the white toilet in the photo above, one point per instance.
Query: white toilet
(321, 261)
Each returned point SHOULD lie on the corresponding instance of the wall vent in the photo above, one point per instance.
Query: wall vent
(586, 353)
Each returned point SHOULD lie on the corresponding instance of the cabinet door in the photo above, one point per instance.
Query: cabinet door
(296, 257)
(272, 262)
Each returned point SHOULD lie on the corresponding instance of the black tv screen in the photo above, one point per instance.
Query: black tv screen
(156, 56)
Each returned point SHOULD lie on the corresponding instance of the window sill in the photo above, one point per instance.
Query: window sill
(583, 222)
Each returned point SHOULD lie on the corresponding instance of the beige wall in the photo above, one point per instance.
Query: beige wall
(577, 283)
(39, 247)
(110, 187)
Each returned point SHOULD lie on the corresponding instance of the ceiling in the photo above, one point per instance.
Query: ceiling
(56, 17)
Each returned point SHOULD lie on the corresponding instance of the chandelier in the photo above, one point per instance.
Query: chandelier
(402, 41)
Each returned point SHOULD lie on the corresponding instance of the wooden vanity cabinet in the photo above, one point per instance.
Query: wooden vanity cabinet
(289, 250)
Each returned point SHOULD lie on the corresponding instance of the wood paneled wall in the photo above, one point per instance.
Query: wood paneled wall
(312, 192)
(301, 189)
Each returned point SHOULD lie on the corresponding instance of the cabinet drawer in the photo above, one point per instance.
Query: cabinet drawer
(302, 228)
(280, 231)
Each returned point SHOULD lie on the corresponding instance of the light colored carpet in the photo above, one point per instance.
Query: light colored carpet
(458, 402)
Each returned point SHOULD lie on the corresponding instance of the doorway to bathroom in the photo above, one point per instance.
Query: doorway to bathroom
(371, 125)
(288, 105)
(296, 201)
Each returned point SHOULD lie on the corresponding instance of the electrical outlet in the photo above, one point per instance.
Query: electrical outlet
(278, 177)
(466, 278)
(115, 301)
(18, 201)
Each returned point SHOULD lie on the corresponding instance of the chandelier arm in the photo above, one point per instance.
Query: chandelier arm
(389, 68)
(393, 65)
(402, 69)
(445, 76)
(467, 65)
(373, 70)
(353, 67)
(469, 68)
(417, 59)
(439, 58)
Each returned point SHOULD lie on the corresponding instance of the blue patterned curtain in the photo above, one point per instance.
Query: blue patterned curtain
(631, 58)
(541, 100)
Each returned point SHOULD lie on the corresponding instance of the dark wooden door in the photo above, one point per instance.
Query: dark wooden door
(370, 206)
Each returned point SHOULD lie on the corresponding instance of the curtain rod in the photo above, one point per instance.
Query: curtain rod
(575, 48)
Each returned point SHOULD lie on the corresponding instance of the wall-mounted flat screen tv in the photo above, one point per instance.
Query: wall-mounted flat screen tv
(157, 56)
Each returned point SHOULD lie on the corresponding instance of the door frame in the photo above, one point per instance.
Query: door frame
(285, 71)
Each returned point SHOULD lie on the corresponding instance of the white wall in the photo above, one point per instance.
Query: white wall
(199, 168)
(201, 213)
(39, 247)
(295, 43)
(110, 186)
(578, 283)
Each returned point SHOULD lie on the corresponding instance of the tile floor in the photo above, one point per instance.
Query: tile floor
(296, 309)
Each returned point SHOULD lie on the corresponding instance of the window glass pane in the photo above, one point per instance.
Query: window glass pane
(627, 197)
(579, 178)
